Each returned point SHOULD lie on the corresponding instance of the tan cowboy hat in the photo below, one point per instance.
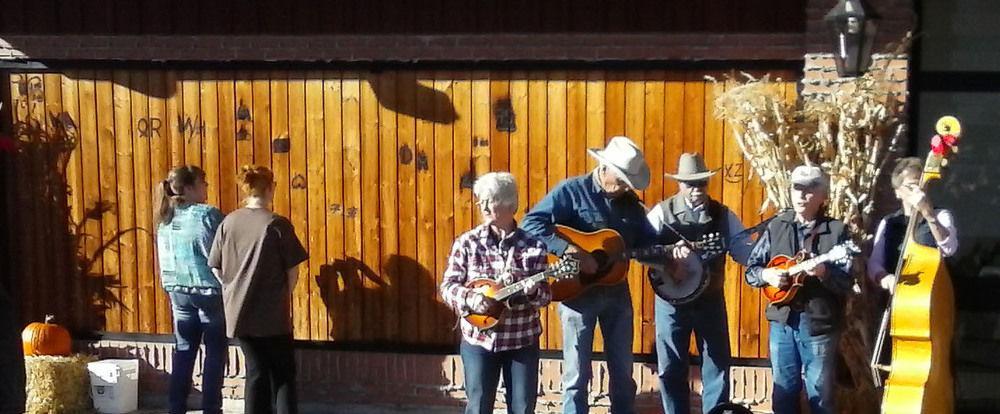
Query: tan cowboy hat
(625, 158)
(691, 167)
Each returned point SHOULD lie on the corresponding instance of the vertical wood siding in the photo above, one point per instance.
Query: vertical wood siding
(376, 179)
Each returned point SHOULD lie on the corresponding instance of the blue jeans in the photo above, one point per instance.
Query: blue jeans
(794, 352)
(611, 306)
(482, 375)
(706, 316)
(198, 318)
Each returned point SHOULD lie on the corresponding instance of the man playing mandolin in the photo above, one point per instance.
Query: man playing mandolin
(804, 331)
(602, 199)
(500, 251)
(683, 218)
(935, 228)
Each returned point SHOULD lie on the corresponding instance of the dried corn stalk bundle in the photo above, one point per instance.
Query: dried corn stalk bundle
(847, 133)
(763, 125)
(58, 384)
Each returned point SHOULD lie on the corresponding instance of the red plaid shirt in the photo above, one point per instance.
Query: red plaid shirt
(479, 253)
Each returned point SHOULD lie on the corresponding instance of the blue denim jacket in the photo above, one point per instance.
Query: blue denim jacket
(183, 246)
(582, 204)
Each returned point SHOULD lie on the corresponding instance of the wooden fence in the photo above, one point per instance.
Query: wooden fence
(373, 168)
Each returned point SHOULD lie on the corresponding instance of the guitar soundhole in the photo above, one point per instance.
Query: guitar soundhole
(603, 265)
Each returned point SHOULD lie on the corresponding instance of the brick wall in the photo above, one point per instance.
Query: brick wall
(820, 78)
(343, 377)
(408, 48)
(897, 18)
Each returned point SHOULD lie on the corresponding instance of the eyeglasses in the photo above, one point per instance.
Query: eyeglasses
(613, 174)
(697, 184)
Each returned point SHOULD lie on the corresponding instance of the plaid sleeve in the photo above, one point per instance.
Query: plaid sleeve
(536, 262)
(453, 290)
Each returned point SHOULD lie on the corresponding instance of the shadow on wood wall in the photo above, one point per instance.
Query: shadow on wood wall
(57, 261)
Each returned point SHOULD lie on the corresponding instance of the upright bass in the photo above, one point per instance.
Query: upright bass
(920, 317)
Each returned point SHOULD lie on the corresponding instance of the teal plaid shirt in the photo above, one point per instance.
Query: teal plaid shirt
(183, 246)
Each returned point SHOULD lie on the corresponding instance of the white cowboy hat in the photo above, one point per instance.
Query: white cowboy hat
(691, 167)
(625, 159)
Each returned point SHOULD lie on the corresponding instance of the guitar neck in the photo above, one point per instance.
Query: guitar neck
(641, 253)
(513, 288)
(808, 264)
(662, 250)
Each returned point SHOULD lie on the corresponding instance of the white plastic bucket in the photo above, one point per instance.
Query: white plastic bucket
(114, 385)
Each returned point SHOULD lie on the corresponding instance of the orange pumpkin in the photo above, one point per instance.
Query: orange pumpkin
(46, 339)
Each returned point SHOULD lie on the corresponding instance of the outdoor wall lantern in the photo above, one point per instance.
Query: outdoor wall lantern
(853, 27)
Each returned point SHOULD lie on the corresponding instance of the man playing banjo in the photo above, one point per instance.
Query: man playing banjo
(683, 302)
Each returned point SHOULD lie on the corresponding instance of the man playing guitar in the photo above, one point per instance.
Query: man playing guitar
(685, 217)
(602, 199)
(803, 332)
(498, 250)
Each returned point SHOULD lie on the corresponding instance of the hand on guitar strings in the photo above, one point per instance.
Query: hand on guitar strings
(479, 303)
(819, 271)
(681, 251)
(775, 277)
(587, 263)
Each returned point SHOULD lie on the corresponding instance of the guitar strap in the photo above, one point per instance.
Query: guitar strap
(810, 240)
(504, 276)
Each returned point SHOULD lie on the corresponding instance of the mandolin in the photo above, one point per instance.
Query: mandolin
(564, 268)
(796, 270)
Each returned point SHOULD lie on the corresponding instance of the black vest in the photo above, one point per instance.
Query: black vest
(824, 307)
(895, 231)
(714, 218)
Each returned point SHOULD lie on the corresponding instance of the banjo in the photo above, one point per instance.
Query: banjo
(682, 281)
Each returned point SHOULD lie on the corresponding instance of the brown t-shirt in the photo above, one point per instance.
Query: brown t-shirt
(254, 248)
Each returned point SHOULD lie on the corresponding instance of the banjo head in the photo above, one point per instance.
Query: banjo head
(682, 281)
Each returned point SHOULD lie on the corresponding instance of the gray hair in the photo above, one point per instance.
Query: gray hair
(497, 188)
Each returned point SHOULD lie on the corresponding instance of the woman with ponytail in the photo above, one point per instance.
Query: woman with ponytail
(257, 254)
(185, 230)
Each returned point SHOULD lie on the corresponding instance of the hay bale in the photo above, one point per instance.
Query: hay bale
(58, 384)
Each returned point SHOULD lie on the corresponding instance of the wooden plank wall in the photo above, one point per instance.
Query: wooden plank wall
(376, 178)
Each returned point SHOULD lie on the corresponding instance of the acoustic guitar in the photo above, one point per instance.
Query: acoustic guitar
(796, 267)
(607, 248)
(563, 268)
